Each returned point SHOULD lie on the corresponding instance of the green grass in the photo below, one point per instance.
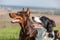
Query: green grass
(57, 28)
(12, 33)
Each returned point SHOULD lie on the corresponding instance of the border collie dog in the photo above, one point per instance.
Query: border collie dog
(48, 24)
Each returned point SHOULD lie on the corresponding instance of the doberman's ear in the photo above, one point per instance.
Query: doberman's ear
(22, 9)
(28, 11)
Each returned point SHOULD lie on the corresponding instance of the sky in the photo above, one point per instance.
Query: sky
(33, 3)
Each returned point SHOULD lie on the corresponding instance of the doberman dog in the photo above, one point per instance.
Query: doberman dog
(27, 31)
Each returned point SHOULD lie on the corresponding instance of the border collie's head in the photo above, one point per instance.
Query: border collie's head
(47, 23)
(36, 19)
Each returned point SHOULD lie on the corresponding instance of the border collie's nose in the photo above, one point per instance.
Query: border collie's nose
(32, 17)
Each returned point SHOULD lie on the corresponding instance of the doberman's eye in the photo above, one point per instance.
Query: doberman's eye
(18, 14)
(18, 18)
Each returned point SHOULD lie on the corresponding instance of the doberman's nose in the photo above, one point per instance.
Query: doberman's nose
(9, 14)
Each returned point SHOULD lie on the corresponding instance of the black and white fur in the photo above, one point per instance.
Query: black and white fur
(48, 24)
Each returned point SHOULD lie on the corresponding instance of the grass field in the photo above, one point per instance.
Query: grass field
(57, 28)
(12, 33)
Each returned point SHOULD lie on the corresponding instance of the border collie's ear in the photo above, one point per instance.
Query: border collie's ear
(28, 12)
(53, 23)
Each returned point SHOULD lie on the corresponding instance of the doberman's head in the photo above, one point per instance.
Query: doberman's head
(20, 17)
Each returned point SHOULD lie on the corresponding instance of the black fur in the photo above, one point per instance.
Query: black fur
(48, 24)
